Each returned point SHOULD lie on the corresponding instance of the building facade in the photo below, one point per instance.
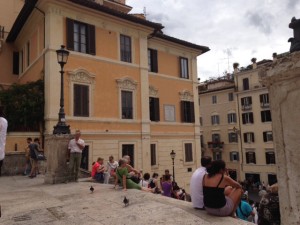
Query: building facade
(219, 122)
(237, 124)
(128, 87)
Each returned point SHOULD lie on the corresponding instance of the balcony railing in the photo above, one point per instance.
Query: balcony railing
(264, 105)
(216, 146)
(246, 107)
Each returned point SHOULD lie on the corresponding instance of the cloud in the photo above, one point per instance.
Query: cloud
(262, 21)
(292, 4)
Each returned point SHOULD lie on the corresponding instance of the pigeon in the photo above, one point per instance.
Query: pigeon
(126, 201)
(92, 189)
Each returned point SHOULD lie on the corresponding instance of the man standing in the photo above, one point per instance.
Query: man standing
(196, 183)
(3, 130)
(76, 145)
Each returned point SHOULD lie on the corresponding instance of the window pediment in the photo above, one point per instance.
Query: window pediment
(186, 96)
(82, 76)
(153, 92)
(127, 83)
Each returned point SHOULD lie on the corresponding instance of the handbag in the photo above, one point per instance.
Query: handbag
(39, 155)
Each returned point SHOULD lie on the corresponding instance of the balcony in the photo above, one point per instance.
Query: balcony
(246, 107)
(265, 105)
(215, 146)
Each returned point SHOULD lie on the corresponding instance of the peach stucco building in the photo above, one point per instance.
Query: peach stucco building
(128, 87)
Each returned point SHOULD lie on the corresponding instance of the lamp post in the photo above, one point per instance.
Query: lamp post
(61, 126)
(173, 154)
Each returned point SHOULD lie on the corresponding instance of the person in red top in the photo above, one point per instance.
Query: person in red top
(98, 170)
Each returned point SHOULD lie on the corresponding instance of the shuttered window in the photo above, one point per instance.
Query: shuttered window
(268, 136)
(188, 149)
(152, 60)
(125, 48)
(16, 63)
(270, 158)
(266, 116)
(247, 118)
(127, 106)
(154, 109)
(153, 154)
(81, 100)
(81, 37)
(250, 157)
(187, 112)
(248, 137)
(184, 68)
(245, 84)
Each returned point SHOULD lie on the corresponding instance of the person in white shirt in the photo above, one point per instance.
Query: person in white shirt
(3, 131)
(196, 186)
(76, 145)
(111, 167)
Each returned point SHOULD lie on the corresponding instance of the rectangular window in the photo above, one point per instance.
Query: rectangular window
(153, 154)
(247, 118)
(230, 96)
(81, 100)
(152, 60)
(202, 141)
(188, 152)
(268, 136)
(28, 54)
(187, 112)
(184, 68)
(270, 158)
(215, 119)
(249, 137)
(245, 84)
(128, 149)
(127, 106)
(154, 109)
(214, 99)
(21, 61)
(266, 116)
(125, 48)
(81, 37)
(232, 137)
(217, 156)
(231, 118)
(250, 158)
(234, 156)
(216, 138)
(16, 63)
(264, 100)
(246, 103)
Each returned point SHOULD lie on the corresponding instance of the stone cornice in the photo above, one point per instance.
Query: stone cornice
(153, 92)
(82, 76)
(287, 67)
(127, 83)
(186, 96)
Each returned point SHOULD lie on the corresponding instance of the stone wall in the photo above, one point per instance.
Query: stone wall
(283, 81)
(14, 164)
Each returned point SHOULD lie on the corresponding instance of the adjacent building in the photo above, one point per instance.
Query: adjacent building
(128, 87)
(237, 124)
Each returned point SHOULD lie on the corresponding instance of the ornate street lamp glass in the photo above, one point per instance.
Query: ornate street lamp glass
(173, 154)
(62, 55)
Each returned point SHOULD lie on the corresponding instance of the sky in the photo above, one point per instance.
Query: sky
(234, 30)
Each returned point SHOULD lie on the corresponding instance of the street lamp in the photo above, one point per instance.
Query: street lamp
(61, 126)
(173, 154)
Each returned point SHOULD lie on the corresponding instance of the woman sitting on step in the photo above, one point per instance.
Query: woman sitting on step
(221, 193)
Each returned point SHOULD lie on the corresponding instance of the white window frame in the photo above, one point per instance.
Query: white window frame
(156, 155)
(214, 99)
(232, 117)
(127, 84)
(215, 119)
(82, 77)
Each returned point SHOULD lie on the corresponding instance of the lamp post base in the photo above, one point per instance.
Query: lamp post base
(61, 129)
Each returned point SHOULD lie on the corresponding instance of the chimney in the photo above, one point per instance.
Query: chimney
(254, 65)
(235, 67)
(295, 41)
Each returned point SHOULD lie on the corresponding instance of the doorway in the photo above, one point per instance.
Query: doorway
(128, 149)
(85, 158)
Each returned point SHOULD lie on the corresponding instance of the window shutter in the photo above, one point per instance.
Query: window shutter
(254, 158)
(70, 34)
(261, 98)
(265, 136)
(247, 157)
(91, 40)
(270, 115)
(242, 101)
(229, 138)
(244, 118)
(228, 118)
(156, 109)
(250, 100)
(16, 63)
(231, 156)
(85, 100)
(252, 135)
(262, 116)
(154, 61)
(76, 100)
(245, 138)
(192, 112)
(251, 117)
(237, 156)
(182, 103)
(234, 117)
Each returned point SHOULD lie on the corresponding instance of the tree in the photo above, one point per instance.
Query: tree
(24, 106)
